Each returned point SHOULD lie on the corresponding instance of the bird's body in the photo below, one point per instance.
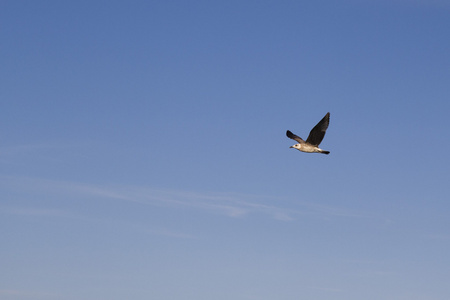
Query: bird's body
(311, 145)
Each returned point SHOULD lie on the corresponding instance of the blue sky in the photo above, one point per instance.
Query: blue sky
(143, 152)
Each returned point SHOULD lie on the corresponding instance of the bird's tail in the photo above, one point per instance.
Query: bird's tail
(325, 152)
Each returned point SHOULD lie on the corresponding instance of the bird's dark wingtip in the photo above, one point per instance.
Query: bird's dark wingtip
(289, 134)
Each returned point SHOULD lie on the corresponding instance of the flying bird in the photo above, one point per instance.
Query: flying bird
(314, 139)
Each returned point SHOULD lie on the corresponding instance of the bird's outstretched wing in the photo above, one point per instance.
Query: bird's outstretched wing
(318, 132)
(294, 137)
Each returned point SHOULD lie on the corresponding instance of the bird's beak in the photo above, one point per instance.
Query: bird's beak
(291, 147)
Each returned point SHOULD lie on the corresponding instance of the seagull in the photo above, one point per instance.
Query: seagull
(315, 137)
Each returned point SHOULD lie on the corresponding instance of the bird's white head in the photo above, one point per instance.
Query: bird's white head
(296, 146)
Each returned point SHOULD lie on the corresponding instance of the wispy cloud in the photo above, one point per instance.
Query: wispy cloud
(230, 204)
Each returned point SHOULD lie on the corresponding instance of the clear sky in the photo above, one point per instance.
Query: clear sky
(143, 152)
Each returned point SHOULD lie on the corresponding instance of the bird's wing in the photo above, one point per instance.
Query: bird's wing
(318, 132)
(294, 137)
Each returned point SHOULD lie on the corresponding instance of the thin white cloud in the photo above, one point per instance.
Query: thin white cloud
(231, 205)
